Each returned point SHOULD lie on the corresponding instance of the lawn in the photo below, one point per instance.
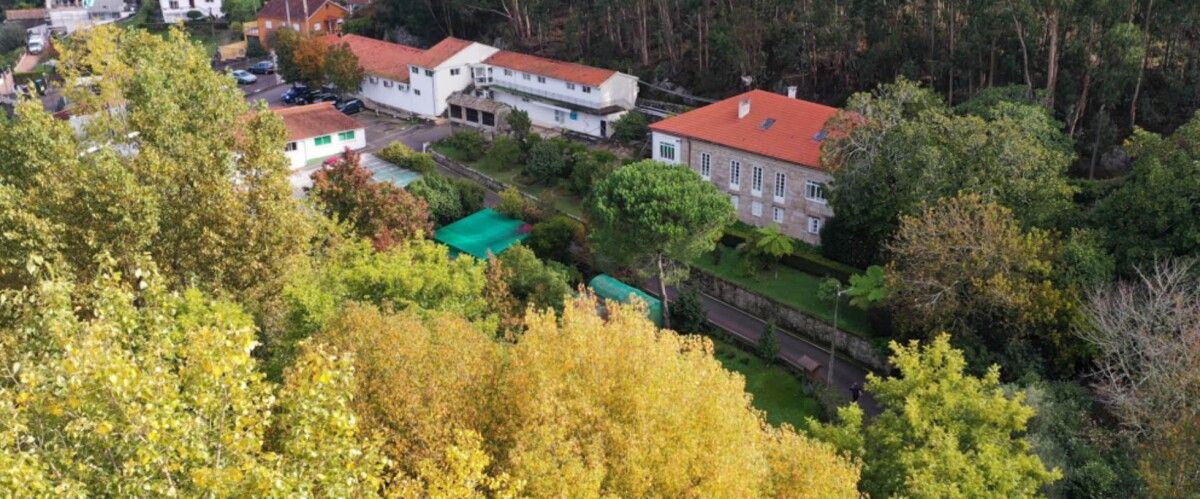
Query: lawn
(785, 285)
(776, 391)
(557, 196)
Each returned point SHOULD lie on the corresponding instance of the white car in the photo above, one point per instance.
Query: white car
(244, 77)
(35, 45)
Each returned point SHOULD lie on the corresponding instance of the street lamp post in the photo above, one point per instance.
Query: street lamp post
(837, 300)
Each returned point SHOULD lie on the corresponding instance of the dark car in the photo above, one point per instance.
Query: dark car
(349, 106)
(262, 68)
(294, 94)
(316, 96)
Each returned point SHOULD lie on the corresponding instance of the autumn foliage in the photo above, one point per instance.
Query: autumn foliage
(380, 211)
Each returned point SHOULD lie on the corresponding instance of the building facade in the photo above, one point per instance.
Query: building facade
(763, 150)
(177, 10)
(69, 16)
(314, 17)
(556, 95)
(318, 131)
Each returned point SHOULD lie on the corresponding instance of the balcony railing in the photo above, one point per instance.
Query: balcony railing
(562, 97)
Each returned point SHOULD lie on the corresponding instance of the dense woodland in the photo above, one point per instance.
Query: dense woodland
(1103, 66)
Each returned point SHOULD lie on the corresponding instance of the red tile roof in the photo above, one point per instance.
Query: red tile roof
(438, 54)
(314, 120)
(792, 137)
(24, 14)
(278, 9)
(566, 71)
(377, 57)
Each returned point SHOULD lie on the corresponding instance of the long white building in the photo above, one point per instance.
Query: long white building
(473, 83)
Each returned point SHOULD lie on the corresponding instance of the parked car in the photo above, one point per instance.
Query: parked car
(35, 45)
(317, 96)
(292, 95)
(243, 77)
(349, 106)
(263, 68)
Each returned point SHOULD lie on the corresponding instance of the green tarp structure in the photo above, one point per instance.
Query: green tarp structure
(605, 286)
(483, 231)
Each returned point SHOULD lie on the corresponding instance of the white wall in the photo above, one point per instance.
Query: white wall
(658, 138)
(307, 149)
(436, 89)
(398, 95)
(619, 90)
(206, 7)
(541, 113)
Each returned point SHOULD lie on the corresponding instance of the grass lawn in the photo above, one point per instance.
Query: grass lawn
(792, 287)
(776, 391)
(557, 196)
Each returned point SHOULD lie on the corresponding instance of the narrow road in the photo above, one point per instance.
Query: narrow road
(749, 328)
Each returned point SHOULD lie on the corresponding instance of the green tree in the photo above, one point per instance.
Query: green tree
(965, 266)
(156, 392)
(652, 214)
(443, 197)
(196, 183)
(533, 282)
(310, 59)
(688, 314)
(342, 69)
(552, 238)
(942, 433)
(379, 211)
(403, 156)
(1155, 212)
(868, 288)
(631, 128)
(519, 125)
(548, 161)
(239, 11)
(284, 42)
(901, 147)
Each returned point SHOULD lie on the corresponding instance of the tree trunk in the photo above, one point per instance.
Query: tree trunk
(1137, 87)
(662, 292)
(1052, 61)
(1024, 53)
(1096, 143)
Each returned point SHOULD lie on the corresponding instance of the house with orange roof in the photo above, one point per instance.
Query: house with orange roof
(314, 17)
(476, 84)
(764, 150)
(318, 131)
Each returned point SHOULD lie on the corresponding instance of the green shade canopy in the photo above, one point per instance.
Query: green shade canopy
(605, 286)
(483, 231)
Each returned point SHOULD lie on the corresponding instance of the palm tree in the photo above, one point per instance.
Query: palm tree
(772, 244)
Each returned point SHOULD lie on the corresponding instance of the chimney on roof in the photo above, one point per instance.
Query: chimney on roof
(743, 108)
(792, 92)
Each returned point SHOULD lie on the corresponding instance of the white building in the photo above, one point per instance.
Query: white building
(557, 95)
(176, 10)
(68, 16)
(318, 131)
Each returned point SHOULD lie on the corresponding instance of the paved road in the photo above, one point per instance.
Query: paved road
(749, 328)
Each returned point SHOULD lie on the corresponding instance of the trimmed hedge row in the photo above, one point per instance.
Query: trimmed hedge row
(805, 259)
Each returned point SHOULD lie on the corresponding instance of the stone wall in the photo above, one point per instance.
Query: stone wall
(790, 319)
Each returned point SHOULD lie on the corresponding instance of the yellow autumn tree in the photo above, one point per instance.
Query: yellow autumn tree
(581, 406)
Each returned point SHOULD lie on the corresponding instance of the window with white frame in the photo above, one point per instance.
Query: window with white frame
(268, 20)
(814, 191)
(401, 87)
(778, 215)
(387, 83)
(525, 76)
(291, 146)
(756, 180)
(756, 209)
(570, 86)
(415, 70)
(373, 79)
(814, 225)
(587, 89)
(541, 79)
(316, 26)
(454, 71)
(666, 150)
(429, 73)
(780, 187)
(507, 72)
(705, 165)
(735, 175)
(734, 200)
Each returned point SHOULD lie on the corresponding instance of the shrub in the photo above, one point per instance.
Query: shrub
(519, 124)
(471, 195)
(194, 15)
(552, 238)
(441, 195)
(631, 128)
(516, 205)
(469, 143)
(547, 161)
(687, 312)
(401, 155)
(254, 48)
(768, 343)
(505, 152)
(591, 167)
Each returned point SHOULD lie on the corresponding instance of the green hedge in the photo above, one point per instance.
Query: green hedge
(804, 259)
